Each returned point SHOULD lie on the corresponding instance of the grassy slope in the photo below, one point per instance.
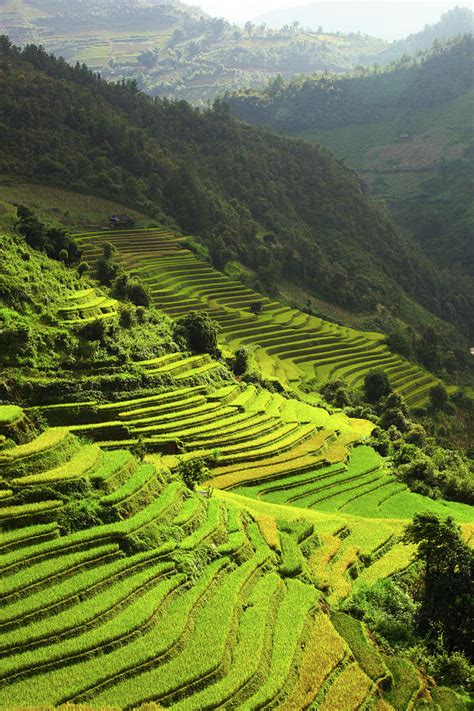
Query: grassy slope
(248, 619)
(57, 206)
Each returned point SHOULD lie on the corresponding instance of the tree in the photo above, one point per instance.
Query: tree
(241, 362)
(438, 396)
(106, 268)
(376, 385)
(256, 307)
(193, 471)
(199, 332)
(447, 602)
(83, 268)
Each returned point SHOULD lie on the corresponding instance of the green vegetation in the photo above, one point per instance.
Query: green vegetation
(407, 130)
(176, 50)
(214, 511)
(360, 258)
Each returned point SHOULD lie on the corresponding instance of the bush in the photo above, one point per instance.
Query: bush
(454, 670)
(438, 397)
(198, 333)
(193, 472)
(386, 608)
(241, 362)
(376, 385)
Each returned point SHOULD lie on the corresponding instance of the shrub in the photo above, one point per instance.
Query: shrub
(83, 268)
(454, 670)
(438, 397)
(193, 472)
(386, 608)
(106, 268)
(198, 332)
(241, 362)
(376, 385)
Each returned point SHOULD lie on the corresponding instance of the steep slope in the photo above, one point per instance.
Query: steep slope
(285, 210)
(298, 350)
(123, 585)
(408, 132)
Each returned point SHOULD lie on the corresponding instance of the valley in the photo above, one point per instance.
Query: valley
(236, 384)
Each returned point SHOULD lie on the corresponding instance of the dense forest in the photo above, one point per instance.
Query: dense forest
(412, 83)
(286, 210)
(408, 132)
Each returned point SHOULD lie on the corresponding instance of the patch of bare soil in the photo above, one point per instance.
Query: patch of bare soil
(415, 152)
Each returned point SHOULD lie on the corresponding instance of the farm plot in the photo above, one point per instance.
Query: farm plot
(184, 600)
(292, 346)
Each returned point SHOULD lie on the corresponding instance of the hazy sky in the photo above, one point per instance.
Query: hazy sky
(242, 10)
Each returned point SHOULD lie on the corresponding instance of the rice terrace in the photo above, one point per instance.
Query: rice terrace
(236, 395)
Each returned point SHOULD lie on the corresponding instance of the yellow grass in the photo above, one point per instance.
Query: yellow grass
(348, 691)
(268, 528)
(324, 650)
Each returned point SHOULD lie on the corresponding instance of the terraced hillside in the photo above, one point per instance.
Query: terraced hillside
(299, 350)
(120, 586)
(87, 306)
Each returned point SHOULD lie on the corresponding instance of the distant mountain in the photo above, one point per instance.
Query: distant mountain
(389, 20)
(456, 22)
(175, 50)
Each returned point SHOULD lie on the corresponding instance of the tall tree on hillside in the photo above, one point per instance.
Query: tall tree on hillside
(447, 607)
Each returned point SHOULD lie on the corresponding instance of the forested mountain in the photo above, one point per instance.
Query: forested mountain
(176, 50)
(456, 22)
(407, 130)
(287, 211)
(422, 82)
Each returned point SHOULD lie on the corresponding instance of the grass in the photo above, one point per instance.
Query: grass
(366, 654)
(81, 464)
(324, 650)
(26, 535)
(290, 623)
(9, 414)
(40, 574)
(247, 652)
(121, 625)
(349, 690)
(210, 528)
(212, 627)
(49, 448)
(406, 683)
(305, 347)
(352, 143)
(66, 592)
(291, 557)
(56, 205)
(144, 478)
(86, 614)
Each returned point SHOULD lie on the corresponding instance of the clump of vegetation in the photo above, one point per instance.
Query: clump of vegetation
(53, 241)
(426, 613)
(193, 471)
(241, 361)
(197, 332)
